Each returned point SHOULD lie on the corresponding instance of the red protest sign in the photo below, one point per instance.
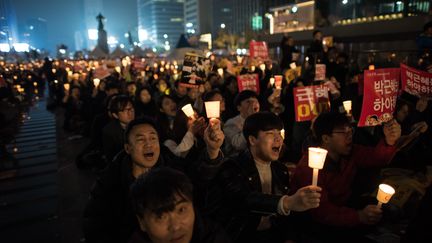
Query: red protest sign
(258, 49)
(248, 82)
(310, 101)
(278, 81)
(138, 64)
(381, 87)
(320, 71)
(416, 82)
(101, 72)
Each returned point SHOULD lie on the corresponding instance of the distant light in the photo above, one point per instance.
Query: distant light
(344, 2)
(193, 31)
(122, 46)
(239, 51)
(294, 9)
(154, 49)
(112, 40)
(142, 35)
(62, 51)
(223, 26)
(92, 34)
(167, 47)
(31, 27)
(126, 35)
(165, 36)
(135, 43)
(399, 2)
(21, 47)
(243, 51)
(189, 25)
(4, 47)
(166, 42)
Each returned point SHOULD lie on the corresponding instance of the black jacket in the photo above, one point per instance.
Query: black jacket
(236, 199)
(108, 216)
(112, 139)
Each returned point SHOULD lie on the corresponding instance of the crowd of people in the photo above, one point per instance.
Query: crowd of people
(168, 177)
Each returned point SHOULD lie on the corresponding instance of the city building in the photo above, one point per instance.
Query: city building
(8, 23)
(198, 16)
(160, 22)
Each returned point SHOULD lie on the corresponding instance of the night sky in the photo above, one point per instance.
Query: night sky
(64, 18)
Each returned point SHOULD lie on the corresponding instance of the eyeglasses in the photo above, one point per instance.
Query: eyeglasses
(347, 131)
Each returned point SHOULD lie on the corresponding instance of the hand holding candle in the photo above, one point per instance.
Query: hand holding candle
(96, 82)
(385, 192)
(212, 109)
(272, 81)
(347, 104)
(317, 158)
(188, 110)
(220, 72)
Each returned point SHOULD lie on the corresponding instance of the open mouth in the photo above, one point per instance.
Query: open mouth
(276, 149)
(148, 155)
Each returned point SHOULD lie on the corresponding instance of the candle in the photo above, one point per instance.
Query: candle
(282, 132)
(317, 158)
(118, 69)
(220, 72)
(34, 83)
(66, 86)
(253, 68)
(278, 81)
(54, 70)
(188, 110)
(293, 65)
(212, 109)
(347, 104)
(385, 192)
(371, 67)
(272, 81)
(262, 67)
(96, 82)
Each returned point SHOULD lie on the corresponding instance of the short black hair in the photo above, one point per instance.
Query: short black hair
(111, 85)
(261, 121)
(326, 122)
(156, 191)
(119, 103)
(207, 96)
(427, 26)
(137, 122)
(244, 95)
(161, 98)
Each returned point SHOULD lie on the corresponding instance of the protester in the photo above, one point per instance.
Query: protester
(163, 202)
(250, 192)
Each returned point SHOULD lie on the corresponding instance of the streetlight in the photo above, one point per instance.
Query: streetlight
(223, 26)
(165, 36)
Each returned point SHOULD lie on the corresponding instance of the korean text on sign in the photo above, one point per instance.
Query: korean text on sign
(258, 49)
(310, 101)
(248, 82)
(416, 82)
(381, 88)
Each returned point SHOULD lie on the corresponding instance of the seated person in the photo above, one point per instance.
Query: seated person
(162, 201)
(108, 215)
(249, 195)
(122, 112)
(247, 104)
(334, 133)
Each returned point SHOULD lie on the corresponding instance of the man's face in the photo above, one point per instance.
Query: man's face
(248, 107)
(112, 91)
(145, 96)
(127, 114)
(268, 144)
(318, 36)
(174, 226)
(143, 145)
(340, 141)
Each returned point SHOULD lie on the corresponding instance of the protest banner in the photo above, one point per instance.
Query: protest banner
(194, 70)
(258, 49)
(416, 82)
(320, 71)
(381, 87)
(248, 82)
(310, 101)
